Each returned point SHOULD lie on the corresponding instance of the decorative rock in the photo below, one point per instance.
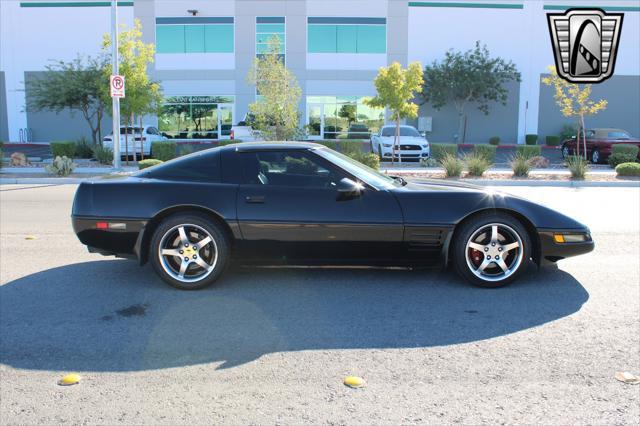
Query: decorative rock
(19, 159)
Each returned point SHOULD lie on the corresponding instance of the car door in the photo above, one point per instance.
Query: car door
(289, 207)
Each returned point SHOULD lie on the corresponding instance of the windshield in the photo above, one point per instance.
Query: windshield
(404, 131)
(357, 169)
(129, 130)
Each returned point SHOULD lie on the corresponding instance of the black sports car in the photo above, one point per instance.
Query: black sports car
(304, 204)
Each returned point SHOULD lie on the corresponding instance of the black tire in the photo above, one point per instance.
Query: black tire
(199, 223)
(380, 156)
(463, 257)
(565, 151)
(595, 156)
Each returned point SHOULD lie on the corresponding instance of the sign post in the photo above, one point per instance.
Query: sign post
(114, 77)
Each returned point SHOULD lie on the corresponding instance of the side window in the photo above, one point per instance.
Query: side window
(152, 131)
(590, 133)
(198, 167)
(287, 168)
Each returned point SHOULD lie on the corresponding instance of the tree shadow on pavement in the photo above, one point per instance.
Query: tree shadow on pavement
(112, 315)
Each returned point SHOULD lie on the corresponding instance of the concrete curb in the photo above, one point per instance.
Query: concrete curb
(479, 182)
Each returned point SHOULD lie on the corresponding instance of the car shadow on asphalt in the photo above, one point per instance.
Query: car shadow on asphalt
(111, 315)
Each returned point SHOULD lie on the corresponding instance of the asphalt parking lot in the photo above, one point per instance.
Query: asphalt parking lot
(269, 346)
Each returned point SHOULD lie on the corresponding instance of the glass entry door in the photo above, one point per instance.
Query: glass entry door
(225, 120)
(315, 119)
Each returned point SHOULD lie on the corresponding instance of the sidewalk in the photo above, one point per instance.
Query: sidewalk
(602, 177)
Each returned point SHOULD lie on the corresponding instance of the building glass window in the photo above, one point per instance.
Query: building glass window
(173, 35)
(342, 117)
(346, 35)
(267, 29)
(197, 117)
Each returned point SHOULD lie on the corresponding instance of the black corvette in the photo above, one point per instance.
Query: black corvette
(304, 204)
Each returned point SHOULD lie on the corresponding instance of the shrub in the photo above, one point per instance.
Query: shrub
(452, 165)
(578, 166)
(143, 164)
(539, 162)
(520, 164)
(83, 148)
(477, 163)
(350, 147)
(330, 144)
(440, 150)
(628, 169)
(494, 140)
(529, 150)
(185, 149)
(163, 150)
(63, 149)
(429, 162)
(568, 131)
(622, 153)
(487, 151)
(553, 140)
(368, 159)
(61, 166)
(531, 139)
(102, 154)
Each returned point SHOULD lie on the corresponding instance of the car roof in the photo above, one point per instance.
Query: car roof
(402, 125)
(262, 146)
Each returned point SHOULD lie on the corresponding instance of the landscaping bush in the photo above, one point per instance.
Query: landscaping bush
(329, 144)
(494, 140)
(568, 131)
(83, 149)
(477, 163)
(63, 149)
(185, 149)
(429, 162)
(539, 162)
(102, 155)
(520, 164)
(622, 153)
(452, 165)
(553, 140)
(350, 147)
(368, 159)
(628, 169)
(487, 151)
(578, 166)
(531, 139)
(440, 150)
(163, 150)
(143, 164)
(529, 150)
(61, 166)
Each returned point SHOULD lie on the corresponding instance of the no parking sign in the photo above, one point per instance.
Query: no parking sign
(117, 86)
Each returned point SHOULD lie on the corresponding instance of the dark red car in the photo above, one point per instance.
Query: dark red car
(599, 143)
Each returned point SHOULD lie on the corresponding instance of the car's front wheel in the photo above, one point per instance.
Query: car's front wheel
(491, 250)
(189, 251)
(566, 151)
(595, 156)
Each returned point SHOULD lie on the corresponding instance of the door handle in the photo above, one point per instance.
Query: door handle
(254, 199)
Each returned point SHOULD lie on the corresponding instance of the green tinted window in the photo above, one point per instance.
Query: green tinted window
(194, 38)
(372, 39)
(170, 38)
(218, 38)
(346, 38)
(270, 28)
(321, 39)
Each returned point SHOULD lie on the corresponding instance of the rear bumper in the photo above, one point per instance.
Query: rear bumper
(552, 251)
(119, 238)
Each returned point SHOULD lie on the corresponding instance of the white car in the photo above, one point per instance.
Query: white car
(245, 133)
(148, 135)
(412, 145)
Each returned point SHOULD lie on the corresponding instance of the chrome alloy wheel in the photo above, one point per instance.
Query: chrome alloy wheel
(188, 253)
(494, 252)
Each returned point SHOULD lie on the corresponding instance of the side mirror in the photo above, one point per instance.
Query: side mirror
(348, 189)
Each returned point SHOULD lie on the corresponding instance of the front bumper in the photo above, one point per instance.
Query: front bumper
(405, 154)
(551, 250)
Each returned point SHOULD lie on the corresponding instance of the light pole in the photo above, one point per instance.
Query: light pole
(114, 70)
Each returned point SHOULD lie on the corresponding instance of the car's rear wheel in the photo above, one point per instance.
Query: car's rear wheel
(491, 250)
(595, 156)
(189, 251)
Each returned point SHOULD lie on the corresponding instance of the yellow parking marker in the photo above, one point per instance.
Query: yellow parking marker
(30, 237)
(69, 379)
(354, 381)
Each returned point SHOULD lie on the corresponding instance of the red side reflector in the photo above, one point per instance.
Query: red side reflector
(102, 225)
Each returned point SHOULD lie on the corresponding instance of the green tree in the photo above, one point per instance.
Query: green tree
(76, 86)
(275, 112)
(348, 112)
(574, 101)
(469, 77)
(396, 88)
(142, 95)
